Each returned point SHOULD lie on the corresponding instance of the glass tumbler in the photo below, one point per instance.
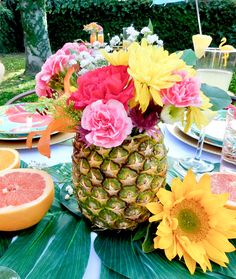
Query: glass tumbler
(228, 155)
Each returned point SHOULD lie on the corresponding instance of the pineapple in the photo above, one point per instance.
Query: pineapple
(113, 185)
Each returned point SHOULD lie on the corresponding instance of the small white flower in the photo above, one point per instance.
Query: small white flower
(85, 62)
(67, 197)
(152, 39)
(131, 38)
(160, 43)
(96, 44)
(130, 30)
(84, 55)
(72, 62)
(114, 41)
(108, 49)
(146, 31)
(70, 191)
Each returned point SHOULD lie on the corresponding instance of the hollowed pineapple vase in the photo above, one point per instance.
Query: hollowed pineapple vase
(113, 185)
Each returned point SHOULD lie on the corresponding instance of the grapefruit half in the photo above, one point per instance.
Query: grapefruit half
(9, 159)
(25, 197)
(225, 183)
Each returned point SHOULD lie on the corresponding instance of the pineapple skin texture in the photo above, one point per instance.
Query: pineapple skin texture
(113, 185)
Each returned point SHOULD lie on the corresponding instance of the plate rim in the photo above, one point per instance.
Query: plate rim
(191, 141)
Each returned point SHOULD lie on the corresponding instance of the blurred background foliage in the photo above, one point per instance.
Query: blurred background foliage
(174, 23)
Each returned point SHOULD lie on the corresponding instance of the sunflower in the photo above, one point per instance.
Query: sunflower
(194, 224)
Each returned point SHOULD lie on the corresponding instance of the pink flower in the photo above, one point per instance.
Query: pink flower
(183, 93)
(71, 48)
(108, 123)
(111, 82)
(54, 65)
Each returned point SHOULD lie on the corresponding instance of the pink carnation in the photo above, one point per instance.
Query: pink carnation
(55, 64)
(70, 48)
(108, 124)
(183, 93)
(111, 82)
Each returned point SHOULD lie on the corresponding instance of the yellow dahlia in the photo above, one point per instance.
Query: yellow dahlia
(194, 224)
(116, 58)
(152, 69)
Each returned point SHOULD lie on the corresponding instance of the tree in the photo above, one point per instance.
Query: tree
(36, 41)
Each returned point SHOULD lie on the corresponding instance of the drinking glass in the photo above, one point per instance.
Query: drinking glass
(228, 155)
(215, 68)
(126, 42)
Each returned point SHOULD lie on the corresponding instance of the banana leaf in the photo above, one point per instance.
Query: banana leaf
(108, 273)
(121, 254)
(57, 247)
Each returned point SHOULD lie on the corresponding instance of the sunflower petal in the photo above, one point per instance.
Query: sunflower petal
(220, 242)
(214, 253)
(190, 263)
(165, 197)
(156, 217)
(154, 207)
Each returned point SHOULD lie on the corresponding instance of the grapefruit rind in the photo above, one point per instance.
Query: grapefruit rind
(13, 218)
(230, 203)
(16, 162)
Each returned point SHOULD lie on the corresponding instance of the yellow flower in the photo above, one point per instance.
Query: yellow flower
(194, 223)
(152, 70)
(116, 58)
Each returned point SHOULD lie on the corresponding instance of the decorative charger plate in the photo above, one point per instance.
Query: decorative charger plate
(17, 120)
(21, 144)
(176, 132)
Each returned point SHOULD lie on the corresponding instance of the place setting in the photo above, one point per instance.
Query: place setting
(125, 166)
(18, 120)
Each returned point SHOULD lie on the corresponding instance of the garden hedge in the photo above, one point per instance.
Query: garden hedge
(174, 23)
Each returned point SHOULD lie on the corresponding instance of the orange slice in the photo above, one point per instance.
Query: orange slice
(25, 197)
(9, 159)
(200, 43)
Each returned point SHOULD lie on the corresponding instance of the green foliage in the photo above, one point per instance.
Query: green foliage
(175, 23)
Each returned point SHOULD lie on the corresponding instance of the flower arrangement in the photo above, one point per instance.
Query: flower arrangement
(114, 102)
(125, 92)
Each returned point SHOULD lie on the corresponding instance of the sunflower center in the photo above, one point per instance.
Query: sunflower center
(193, 220)
(188, 221)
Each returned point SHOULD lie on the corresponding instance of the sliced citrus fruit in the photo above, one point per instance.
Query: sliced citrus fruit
(25, 197)
(225, 183)
(9, 159)
(200, 43)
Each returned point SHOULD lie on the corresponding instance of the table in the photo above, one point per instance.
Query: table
(61, 153)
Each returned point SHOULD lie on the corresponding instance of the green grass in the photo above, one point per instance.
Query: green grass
(15, 81)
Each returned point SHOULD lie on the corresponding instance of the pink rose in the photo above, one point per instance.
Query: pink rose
(183, 93)
(55, 64)
(111, 82)
(108, 123)
(70, 48)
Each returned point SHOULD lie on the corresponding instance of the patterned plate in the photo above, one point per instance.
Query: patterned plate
(17, 120)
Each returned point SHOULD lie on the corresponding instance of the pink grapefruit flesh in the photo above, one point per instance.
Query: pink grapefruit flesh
(225, 183)
(25, 197)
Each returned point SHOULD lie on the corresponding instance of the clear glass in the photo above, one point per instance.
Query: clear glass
(101, 37)
(8, 273)
(228, 155)
(215, 68)
(126, 42)
(93, 37)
